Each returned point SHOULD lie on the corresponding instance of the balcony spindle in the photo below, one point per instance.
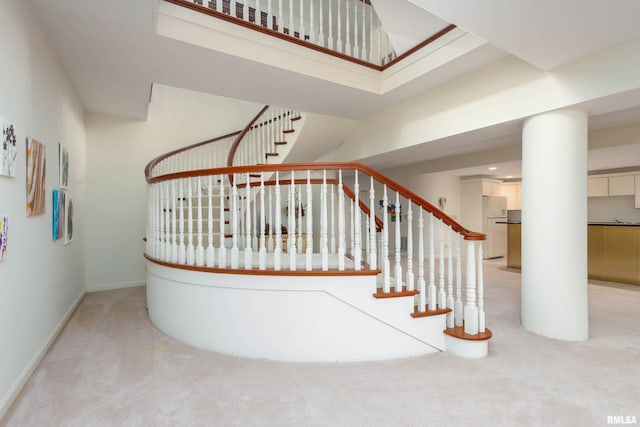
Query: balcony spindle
(347, 43)
(262, 255)
(320, 39)
(167, 220)
(442, 294)
(299, 213)
(309, 248)
(398, 266)
(324, 247)
(410, 277)
(330, 39)
(301, 26)
(199, 247)
(363, 53)
(341, 237)
(357, 256)
(277, 252)
(312, 29)
(333, 221)
(235, 253)
(386, 266)
(280, 18)
(291, 239)
(271, 225)
(356, 48)
(182, 249)
(351, 228)
(372, 227)
(254, 223)
(292, 29)
(269, 15)
(470, 308)
(210, 250)
(222, 251)
(248, 250)
(431, 290)
(339, 45)
(458, 307)
(174, 230)
(421, 283)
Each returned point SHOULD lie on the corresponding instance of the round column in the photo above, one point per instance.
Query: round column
(554, 225)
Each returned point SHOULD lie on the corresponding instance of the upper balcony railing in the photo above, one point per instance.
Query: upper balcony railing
(347, 28)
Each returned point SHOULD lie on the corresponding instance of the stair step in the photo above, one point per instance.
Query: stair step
(288, 131)
(280, 143)
(427, 313)
(393, 294)
(293, 119)
(271, 154)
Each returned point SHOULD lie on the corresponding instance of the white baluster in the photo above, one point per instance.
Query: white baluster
(222, 251)
(248, 250)
(182, 250)
(421, 283)
(386, 266)
(235, 252)
(333, 220)
(431, 290)
(218, 5)
(245, 10)
(210, 250)
(254, 224)
(410, 277)
(271, 224)
(299, 212)
(458, 307)
(167, 221)
(258, 13)
(199, 248)
(363, 54)
(341, 237)
(277, 252)
(262, 256)
(372, 227)
(309, 249)
(470, 308)
(357, 255)
(292, 224)
(340, 46)
(321, 25)
(312, 30)
(481, 317)
(324, 247)
(292, 30)
(450, 300)
(398, 266)
(442, 294)
(330, 44)
(356, 49)
(351, 228)
(280, 17)
(347, 43)
(174, 231)
(301, 26)
(269, 15)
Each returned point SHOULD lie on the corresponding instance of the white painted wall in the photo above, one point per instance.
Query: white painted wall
(40, 280)
(118, 150)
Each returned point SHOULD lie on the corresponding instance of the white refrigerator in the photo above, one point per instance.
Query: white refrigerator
(494, 213)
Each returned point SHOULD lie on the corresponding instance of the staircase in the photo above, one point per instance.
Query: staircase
(294, 247)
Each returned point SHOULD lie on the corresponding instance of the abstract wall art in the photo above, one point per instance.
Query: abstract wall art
(36, 173)
(58, 214)
(63, 154)
(4, 231)
(68, 213)
(9, 150)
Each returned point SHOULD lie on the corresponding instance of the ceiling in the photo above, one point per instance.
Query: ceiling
(112, 56)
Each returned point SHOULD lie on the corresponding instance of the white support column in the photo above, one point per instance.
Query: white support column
(301, 26)
(554, 225)
(470, 308)
(330, 44)
(339, 44)
(299, 211)
(410, 276)
(168, 224)
(292, 24)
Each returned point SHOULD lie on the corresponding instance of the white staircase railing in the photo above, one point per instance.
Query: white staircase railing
(232, 211)
(349, 27)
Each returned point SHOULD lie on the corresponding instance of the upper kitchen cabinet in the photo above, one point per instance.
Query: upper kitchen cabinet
(513, 192)
(597, 186)
(621, 185)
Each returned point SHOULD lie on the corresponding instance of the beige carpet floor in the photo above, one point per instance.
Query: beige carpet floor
(110, 367)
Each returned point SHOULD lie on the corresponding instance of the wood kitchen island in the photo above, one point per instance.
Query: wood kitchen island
(613, 251)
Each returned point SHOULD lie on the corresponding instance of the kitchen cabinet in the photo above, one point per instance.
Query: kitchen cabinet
(598, 186)
(491, 187)
(622, 185)
(513, 192)
(514, 239)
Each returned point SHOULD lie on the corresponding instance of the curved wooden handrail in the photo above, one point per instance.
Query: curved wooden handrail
(236, 143)
(287, 167)
(291, 39)
(154, 162)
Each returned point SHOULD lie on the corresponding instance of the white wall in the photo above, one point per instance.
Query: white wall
(40, 280)
(118, 150)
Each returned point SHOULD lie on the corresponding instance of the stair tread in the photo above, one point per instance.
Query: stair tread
(394, 294)
(427, 313)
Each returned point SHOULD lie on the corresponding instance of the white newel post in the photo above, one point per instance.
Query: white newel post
(480, 287)
(262, 254)
(422, 298)
(373, 247)
(450, 300)
(398, 266)
(341, 237)
(301, 26)
(442, 294)
(458, 307)
(248, 250)
(554, 225)
(357, 255)
(470, 308)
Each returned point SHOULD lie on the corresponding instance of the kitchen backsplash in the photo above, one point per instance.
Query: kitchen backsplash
(607, 209)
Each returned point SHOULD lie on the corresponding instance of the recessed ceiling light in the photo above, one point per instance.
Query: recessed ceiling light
(509, 176)
(493, 168)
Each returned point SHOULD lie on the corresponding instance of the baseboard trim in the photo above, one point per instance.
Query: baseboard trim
(112, 286)
(21, 381)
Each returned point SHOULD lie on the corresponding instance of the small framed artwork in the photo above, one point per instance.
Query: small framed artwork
(4, 232)
(58, 214)
(68, 214)
(36, 174)
(9, 150)
(63, 154)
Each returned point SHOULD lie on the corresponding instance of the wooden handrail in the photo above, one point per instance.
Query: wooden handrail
(236, 143)
(300, 42)
(154, 162)
(287, 167)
